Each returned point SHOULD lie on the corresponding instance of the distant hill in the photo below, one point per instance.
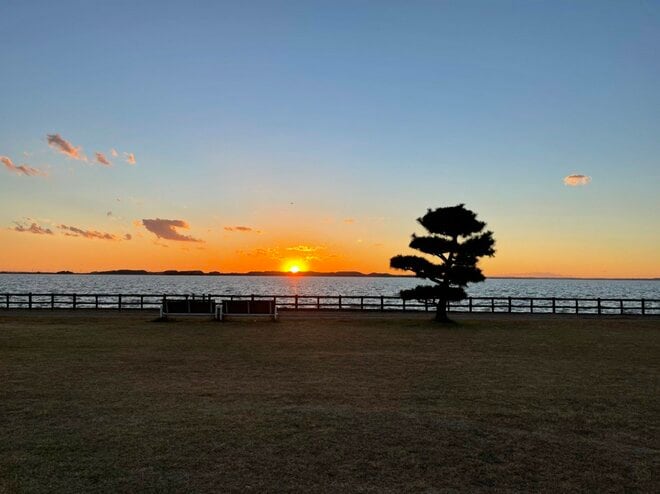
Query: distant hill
(174, 272)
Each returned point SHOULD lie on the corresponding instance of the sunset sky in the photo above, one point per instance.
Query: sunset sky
(238, 136)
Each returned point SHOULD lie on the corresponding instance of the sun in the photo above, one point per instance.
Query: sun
(294, 266)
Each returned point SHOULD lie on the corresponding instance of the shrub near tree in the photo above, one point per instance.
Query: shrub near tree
(458, 240)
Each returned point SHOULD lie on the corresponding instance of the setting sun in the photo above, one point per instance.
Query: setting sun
(294, 266)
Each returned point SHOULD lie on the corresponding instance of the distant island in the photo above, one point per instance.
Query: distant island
(339, 274)
(197, 272)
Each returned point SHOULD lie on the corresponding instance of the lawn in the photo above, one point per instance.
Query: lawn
(94, 402)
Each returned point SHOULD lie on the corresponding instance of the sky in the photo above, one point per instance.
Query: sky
(239, 136)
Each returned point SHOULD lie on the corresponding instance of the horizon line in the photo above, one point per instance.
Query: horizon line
(338, 274)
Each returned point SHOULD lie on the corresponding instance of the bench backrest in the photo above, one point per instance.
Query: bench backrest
(248, 307)
(189, 306)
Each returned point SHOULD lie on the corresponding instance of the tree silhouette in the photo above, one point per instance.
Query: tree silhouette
(458, 240)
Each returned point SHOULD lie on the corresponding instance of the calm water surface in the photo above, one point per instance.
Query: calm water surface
(291, 285)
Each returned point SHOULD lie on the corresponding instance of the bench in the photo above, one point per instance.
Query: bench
(246, 308)
(183, 307)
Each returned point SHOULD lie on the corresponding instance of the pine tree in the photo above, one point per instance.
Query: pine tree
(458, 239)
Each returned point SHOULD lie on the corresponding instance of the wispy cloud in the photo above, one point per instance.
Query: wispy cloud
(33, 228)
(21, 169)
(101, 159)
(63, 146)
(305, 248)
(241, 229)
(72, 231)
(166, 229)
(576, 180)
(349, 221)
(114, 153)
(129, 158)
(271, 253)
(306, 252)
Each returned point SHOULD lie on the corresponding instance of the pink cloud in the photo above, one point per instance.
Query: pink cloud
(33, 228)
(114, 153)
(130, 158)
(166, 229)
(101, 159)
(576, 180)
(65, 147)
(21, 169)
(72, 231)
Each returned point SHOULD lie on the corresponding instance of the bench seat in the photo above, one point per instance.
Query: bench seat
(246, 308)
(190, 307)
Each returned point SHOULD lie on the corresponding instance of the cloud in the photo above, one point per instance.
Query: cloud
(100, 158)
(305, 248)
(129, 158)
(576, 180)
(271, 253)
(72, 231)
(21, 169)
(65, 147)
(114, 153)
(349, 221)
(33, 228)
(242, 229)
(166, 229)
(306, 252)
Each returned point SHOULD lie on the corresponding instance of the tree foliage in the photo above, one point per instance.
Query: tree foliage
(458, 240)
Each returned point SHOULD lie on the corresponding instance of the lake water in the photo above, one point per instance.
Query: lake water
(292, 285)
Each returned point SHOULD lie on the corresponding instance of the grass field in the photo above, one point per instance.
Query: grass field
(94, 402)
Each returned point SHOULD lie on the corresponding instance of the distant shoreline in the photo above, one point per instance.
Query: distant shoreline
(333, 274)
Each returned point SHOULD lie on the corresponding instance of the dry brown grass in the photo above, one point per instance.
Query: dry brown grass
(94, 402)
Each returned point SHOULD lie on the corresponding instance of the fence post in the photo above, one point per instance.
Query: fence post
(52, 301)
(509, 305)
(339, 302)
(470, 304)
(74, 301)
(621, 306)
(404, 304)
(295, 303)
(598, 306)
(554, 305)
(577, 306)
(643, 308)
(141, 302)
(361, 303)
(492, 304)
(382, 303)
(119, 301)
(318, 303)
(531, 306)
(7, 295)
(29, 300)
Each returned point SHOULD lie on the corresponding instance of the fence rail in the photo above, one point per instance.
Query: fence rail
(518, 305)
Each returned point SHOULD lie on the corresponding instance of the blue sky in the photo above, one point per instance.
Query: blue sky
(358, 110)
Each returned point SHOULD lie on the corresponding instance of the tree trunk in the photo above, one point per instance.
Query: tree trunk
(441, 311)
